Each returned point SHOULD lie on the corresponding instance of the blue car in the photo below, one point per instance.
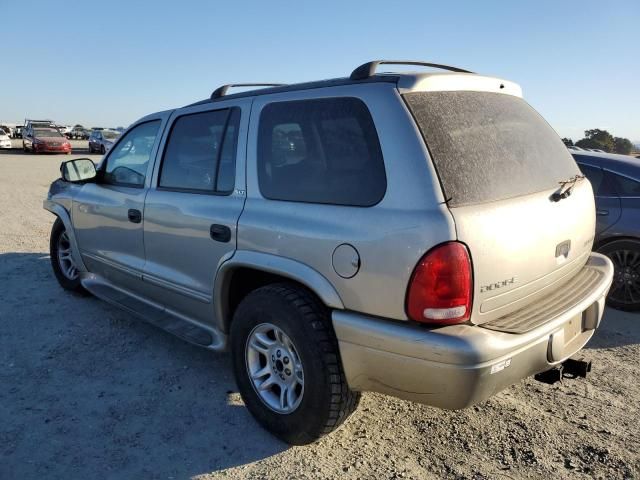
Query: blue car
(616, 185)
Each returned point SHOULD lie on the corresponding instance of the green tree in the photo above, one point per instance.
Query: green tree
(596, 138)
(567, 141)
(622, 145)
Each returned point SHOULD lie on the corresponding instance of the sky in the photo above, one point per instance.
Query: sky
(108, 63)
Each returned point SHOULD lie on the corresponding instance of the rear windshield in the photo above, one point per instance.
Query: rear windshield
(489, 146)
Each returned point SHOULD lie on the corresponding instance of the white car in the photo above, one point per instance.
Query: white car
(5, 141)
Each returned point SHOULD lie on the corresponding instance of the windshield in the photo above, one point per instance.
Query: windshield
(109, 135)
(489, 146)
(46, 132)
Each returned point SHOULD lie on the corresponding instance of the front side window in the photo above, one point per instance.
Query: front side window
(127, 162)
(320, 151)
(200, 152)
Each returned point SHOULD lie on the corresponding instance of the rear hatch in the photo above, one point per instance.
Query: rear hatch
(499, 164)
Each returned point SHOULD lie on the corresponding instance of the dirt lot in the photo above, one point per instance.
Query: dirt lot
(87, 391)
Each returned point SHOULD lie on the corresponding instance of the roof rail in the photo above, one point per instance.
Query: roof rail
(222, 91)
(368, 69)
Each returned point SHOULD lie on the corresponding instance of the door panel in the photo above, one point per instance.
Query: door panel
(182, 256)
(198, 183)
(109, 237)
(607, 212)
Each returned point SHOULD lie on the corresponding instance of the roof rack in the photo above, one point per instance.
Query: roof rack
(368, 69)
(222, 91)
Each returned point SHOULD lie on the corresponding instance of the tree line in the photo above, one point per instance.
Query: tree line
(602, 140)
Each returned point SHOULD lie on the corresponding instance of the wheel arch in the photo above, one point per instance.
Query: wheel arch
(63, 215)
(247, 270)
(614, 238)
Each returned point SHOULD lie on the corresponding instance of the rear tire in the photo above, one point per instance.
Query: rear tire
(316, 398)
(64, 267)
(102, 150)
(625, 290)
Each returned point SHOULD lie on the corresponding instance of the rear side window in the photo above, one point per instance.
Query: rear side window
(489, 146)
(320, 151)
(200, 152)
(623, 186)
(594, 174)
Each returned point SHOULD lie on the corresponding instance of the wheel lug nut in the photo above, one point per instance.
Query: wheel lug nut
(273, 358)
(287, 371)
(279, 353)
(282, 376)
(286, 360)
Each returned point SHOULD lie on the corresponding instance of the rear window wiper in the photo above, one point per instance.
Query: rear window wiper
(566, 186)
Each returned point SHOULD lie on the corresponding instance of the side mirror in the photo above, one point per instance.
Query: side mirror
(78, 171)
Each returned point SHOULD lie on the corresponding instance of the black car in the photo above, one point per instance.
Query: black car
(616, 185)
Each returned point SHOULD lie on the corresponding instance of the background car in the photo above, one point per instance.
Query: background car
(79, 133)
(6, 129)
(616, 185)
(5, 140)
(43, 139)
(17, 131)
(101, 141)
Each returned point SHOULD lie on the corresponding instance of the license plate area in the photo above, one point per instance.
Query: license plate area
(572, 329)
(567, 340)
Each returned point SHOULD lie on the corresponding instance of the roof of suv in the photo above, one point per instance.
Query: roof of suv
(457, 80)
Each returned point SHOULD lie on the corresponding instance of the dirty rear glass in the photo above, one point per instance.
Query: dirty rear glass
(489, 146)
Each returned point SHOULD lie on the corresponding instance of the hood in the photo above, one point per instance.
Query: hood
(51, 139)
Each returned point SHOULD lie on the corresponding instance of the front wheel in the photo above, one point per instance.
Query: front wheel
(625, 290)
(64, 267)
(287, 364)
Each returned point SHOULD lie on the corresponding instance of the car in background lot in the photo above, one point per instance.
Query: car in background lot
(64, 130)
(79, 133)
(45, 139)
(5, 140)
(101, 141)
(6, 129)
(615, 180)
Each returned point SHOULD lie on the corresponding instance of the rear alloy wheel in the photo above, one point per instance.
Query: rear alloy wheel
(62, 262)
(625, 290)
(287, 364)
(275, 368)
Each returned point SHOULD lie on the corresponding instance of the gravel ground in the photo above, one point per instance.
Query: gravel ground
(87, 391)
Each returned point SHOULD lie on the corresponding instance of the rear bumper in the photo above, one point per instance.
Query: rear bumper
(457, 366)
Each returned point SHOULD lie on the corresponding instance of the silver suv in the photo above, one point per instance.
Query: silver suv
(423, 235)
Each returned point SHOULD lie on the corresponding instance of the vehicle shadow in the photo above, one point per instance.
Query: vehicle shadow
(87, 388)
(617, 329)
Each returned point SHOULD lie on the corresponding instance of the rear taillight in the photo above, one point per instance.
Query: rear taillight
(440, 288)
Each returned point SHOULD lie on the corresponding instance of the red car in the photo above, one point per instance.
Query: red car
(38, 140)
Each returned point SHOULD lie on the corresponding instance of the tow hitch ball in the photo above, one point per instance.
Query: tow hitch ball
(571, 368)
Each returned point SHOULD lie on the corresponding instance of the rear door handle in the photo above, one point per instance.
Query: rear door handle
(220, 233)
(602, 212)
(134, 215)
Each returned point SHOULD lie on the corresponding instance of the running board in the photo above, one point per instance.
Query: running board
(154, 313)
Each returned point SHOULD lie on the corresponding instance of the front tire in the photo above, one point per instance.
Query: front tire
(64, 267)
(287, 364)
(625, 290)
